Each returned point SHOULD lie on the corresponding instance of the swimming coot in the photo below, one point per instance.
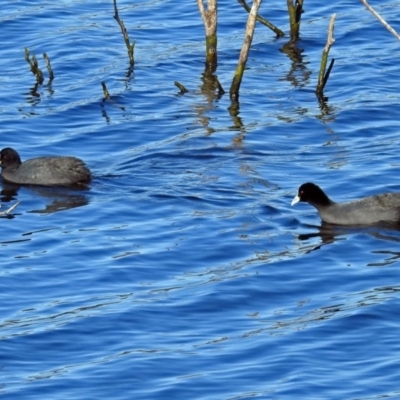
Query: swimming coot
(47, 171)
(366, 211)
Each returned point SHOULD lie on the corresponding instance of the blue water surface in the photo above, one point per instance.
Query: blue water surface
(182, 272)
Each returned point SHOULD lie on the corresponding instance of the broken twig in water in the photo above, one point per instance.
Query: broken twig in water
(263, 21)
(251, 24)
(130, 47)
(34, 66)
(105, 91)
(323, 77)
(180, 87)
(381, 20)
(51, 73)
(10, 209)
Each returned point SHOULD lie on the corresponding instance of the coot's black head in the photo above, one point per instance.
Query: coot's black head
(9, 157)
(313, 194)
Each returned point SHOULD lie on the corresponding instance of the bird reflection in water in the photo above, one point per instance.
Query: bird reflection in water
(60, 198)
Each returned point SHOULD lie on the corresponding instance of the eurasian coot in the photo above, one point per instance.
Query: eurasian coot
(48, 171)
(369, 210)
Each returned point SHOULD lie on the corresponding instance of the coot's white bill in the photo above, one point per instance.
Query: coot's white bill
(295, 200)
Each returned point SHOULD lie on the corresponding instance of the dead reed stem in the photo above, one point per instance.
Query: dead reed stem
(323, 77)
(210, 17)
(250, 27)
(130, 47)
(380, 19)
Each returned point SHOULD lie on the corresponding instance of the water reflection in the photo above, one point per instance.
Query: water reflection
(345, 304)
(299, 74)
(330, 233)
(60, 198)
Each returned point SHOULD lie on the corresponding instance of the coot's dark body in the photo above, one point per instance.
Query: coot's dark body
(47, 171)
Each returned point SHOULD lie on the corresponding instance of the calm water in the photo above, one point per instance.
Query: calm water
(183, 272)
